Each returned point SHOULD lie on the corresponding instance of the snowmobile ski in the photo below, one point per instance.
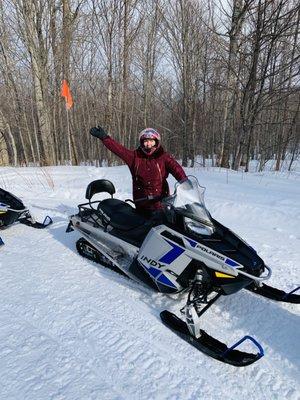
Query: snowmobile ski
(211, 346)
(275, 294)
(34, 224)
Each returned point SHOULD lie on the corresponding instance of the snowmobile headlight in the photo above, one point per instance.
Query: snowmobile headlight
(197, 227)
(3, 208)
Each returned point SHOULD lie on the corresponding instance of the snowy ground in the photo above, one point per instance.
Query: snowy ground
(70, 329)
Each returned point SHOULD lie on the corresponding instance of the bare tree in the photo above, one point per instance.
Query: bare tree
(220, 81)
(183, 35)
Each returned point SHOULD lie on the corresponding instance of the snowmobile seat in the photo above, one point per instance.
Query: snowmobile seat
(121, 215)
(99, 186)
(127, 224)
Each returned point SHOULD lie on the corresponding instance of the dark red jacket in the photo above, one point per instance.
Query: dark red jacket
(149, 173)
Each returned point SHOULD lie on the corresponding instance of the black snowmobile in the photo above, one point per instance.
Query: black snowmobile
(185, 250)
(13, 210)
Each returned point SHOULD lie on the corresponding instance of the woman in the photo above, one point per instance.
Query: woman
(149, 165)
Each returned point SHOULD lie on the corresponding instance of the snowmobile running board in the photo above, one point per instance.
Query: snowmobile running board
(275, 294)
(211, 346)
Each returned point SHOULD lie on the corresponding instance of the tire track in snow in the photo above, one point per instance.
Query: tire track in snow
(81, 307)
(130, 352)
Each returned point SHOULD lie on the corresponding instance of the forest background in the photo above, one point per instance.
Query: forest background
(218, 79)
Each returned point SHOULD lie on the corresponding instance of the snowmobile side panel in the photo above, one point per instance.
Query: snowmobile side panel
(99, 235)
(10, 216)
(118, 252)
(209, 345)
(174, 252)
(85, 249)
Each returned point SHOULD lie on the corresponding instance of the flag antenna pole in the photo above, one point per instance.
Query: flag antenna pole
(69, 136)
(66, 93)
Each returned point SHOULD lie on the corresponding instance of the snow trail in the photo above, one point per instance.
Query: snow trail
(70, 329)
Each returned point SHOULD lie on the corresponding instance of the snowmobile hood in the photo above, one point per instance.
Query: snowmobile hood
(8, 200)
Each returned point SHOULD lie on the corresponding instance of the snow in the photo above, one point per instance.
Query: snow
(71, 329)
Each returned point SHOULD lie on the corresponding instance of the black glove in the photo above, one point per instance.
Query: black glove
(98, 132)
(187, 185)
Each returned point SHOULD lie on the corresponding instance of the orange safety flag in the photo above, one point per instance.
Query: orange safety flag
(66, 93)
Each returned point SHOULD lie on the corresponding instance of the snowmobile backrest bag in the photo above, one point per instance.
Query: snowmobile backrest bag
(99, 186)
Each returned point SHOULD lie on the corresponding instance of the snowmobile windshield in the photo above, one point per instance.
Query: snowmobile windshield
(188, 200)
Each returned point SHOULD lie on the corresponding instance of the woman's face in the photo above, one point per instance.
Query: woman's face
(149, 143)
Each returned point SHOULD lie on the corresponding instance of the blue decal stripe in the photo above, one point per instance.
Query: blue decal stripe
(153, 271)
(175, 252)
(191, 242)
(164, 280)
(231, 262)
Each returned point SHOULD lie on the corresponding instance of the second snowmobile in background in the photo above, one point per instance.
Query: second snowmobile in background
(13, 210)
(185, 250)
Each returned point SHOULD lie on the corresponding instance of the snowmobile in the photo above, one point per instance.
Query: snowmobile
(13, 210)
(184, 250)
